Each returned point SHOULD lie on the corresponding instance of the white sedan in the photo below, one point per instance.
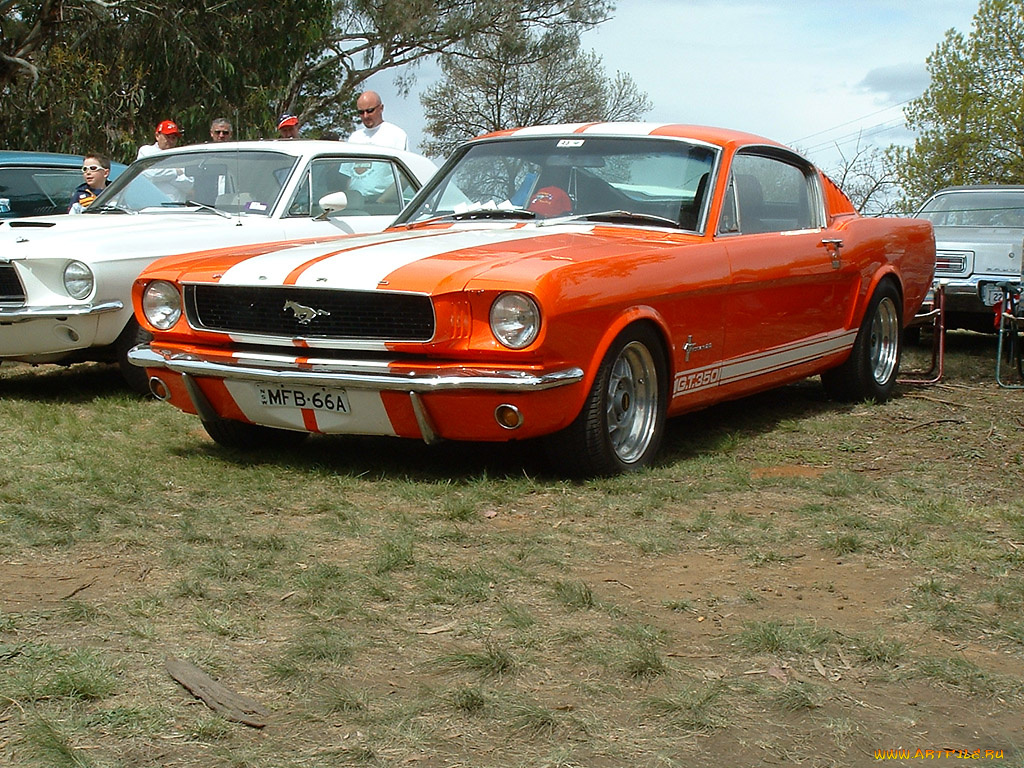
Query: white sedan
(65, 280)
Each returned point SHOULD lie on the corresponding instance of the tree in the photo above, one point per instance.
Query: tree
(95, 74)
(523, 78)
(970, 120)
(869, 178)
(72, 71)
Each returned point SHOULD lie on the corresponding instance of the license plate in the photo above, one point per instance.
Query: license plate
(991, 294)
(314, 398)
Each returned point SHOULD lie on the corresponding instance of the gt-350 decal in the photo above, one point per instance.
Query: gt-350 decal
(761, 363)
(689, 381)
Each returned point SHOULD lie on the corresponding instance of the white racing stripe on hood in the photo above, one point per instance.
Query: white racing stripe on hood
(272, 268)
(367, 270)
(376, 257)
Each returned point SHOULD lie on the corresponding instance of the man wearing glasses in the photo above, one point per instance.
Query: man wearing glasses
(376, 130)
(95, 169)
(220, 129)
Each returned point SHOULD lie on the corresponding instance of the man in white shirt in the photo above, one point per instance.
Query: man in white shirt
(375, 129)
(171, 181)
(167, 135)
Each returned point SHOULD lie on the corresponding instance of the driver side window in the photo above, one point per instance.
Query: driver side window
(767, 194)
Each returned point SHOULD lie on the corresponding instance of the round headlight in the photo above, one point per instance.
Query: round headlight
(161, 304)
(78, 280)
(515, 320)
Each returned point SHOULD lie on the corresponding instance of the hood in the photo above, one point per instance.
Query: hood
(426, 260)
(108, 237)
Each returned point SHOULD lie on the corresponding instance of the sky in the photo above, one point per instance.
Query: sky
(818, 75)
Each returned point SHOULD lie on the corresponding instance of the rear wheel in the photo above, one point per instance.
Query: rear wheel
(243, 436)
(870, 371)
(622, 421)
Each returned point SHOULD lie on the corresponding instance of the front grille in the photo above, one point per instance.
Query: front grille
(11, 291)
(951, 263)
(278, 311)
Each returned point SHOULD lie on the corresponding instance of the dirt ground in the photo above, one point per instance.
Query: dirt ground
(862, 709)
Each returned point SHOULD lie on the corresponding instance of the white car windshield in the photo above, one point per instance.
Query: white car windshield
(653, 181)
(233, 181)
(978, 208)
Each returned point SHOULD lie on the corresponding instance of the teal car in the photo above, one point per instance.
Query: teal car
(40, 183)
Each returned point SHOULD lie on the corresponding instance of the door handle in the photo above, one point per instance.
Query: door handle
(832, 245)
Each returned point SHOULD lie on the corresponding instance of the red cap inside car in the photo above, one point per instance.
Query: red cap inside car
(550, 201)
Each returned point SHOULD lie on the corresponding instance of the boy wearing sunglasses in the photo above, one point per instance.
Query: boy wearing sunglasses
(95, 170)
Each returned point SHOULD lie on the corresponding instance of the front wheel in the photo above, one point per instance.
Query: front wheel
(130, 336)
(622, 421)
(243, 436)
(870, 371)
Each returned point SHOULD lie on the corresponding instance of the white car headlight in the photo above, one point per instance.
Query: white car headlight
(78, 279)
(515, 320)
(161, 304)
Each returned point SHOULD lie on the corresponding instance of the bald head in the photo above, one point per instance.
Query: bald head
(370, 109)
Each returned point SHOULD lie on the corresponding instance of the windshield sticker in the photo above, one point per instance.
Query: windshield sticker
(570, 143)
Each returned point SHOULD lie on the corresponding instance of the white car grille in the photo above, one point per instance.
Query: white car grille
(11, 290)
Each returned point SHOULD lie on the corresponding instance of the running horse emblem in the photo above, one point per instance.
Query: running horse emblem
(305, 315)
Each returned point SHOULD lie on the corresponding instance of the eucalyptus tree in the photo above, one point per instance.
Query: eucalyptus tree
(523, 77)
(101, 73)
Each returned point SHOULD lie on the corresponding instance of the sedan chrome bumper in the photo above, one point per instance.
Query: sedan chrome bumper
(353, 374)
(25, 313)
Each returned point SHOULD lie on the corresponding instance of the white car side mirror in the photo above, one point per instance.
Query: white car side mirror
(334, 202)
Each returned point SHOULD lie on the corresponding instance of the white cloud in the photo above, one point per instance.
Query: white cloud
(814, 73)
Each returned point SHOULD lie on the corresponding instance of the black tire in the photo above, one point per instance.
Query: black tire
(242, 436)
(621, 424)
(130, 336)
(871, 370)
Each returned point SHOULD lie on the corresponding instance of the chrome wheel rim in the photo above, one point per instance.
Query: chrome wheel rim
(631, 410)
(885, 341)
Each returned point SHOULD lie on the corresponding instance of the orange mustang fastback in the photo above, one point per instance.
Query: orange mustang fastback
(575, 283)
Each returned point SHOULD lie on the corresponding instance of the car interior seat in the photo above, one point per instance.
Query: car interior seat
(689, 210)
(751, 204)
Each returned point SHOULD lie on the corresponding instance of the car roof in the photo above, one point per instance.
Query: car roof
(704, 133)
(15, 157)
(982, 188)
(297, 147)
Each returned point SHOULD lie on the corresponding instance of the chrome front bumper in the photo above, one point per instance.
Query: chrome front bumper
(23, 314)
(355, 374)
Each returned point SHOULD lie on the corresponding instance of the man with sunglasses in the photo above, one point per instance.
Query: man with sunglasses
(376, 130)
(220, 129)
(95, 170)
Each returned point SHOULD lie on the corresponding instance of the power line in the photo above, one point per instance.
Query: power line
(852, 122)
(860, 134)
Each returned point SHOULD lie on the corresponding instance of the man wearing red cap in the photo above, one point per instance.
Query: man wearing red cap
(167, 135)
(288, 126)
(171, 181)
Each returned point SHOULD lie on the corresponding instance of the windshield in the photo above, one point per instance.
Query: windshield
(234, 181)
(982, 208)
(656, 179)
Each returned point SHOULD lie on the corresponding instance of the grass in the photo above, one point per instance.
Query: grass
(388, 603)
